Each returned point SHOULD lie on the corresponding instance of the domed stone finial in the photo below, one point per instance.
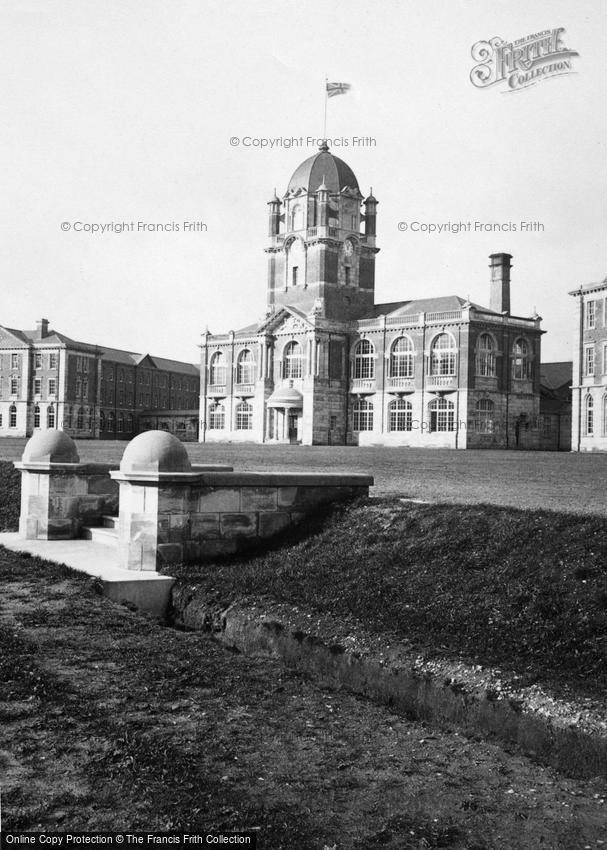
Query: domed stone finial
(324, 148)
(50, 447)
(155, 451)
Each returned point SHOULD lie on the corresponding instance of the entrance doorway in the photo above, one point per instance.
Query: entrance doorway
(292, 426)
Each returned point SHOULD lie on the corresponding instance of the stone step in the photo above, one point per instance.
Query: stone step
(99, 534)
(109, 521)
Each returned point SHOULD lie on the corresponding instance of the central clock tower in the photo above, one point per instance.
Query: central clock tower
(321, 256)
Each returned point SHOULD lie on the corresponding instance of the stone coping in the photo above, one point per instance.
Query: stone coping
(81, 468)
(247, 479)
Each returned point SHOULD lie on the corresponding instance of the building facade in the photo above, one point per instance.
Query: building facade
(48, 380)
(329, 366)
(589, 388)
(555, 406)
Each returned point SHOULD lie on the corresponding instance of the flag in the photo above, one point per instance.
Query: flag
(333, 89)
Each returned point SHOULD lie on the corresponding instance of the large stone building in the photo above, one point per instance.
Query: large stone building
(589, 389)
(329, 366)
(48, 380)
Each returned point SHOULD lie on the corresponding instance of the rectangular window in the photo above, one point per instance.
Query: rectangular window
(295, 275)
(37, 386)
(14, 386)
(78, 388)
(347, 273)
(37, 360)
(1, 420)
(14, 361)
(85, 388)
(52, 361)
(605, 360)
(52, 386)
(590, 314)
(589, 360)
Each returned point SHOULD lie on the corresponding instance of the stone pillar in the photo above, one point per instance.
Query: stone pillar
(60, 495)
(156, 482)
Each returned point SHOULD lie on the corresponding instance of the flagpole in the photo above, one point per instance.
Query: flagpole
(324, 128)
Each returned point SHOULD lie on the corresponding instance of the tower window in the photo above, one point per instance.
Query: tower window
(348, 276)
(295, 275)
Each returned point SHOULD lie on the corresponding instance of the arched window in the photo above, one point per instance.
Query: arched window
(12, 416)
(484, 416)
(50, 416)
(521, 363)
(120, 423)
(297, 222)
(485, 356)
(292, 361)
(442, 415)
(589, 416)
(217, 417)
(442, 355)
(37, 417)
(244, 416)
(400, 414)
(401, 358)
(102, 421)
(364, 361)
(217, 369)
(111, 421)
(363, 416)
(80, 419)
(245, 367)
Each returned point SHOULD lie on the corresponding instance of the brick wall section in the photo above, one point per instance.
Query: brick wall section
(196, 517)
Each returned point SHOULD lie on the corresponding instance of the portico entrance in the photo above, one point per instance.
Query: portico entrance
(285, 407)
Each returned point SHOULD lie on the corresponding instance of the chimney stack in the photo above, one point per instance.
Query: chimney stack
(499, 295)
(41, 328)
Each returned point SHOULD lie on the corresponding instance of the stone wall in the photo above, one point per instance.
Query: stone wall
(205, 515)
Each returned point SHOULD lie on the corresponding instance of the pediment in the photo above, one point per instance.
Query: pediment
(10, 340)
(286, 320)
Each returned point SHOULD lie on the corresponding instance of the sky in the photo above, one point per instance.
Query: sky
(146, 111)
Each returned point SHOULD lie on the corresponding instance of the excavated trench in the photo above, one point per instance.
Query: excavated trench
(449, 694)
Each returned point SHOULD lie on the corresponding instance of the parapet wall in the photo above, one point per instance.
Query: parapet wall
(198, 516)
(169, 511)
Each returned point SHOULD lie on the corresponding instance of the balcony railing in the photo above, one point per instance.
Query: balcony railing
(400, 383)
(359, 385)
(216, 389)
(244, 389)
(442, 381)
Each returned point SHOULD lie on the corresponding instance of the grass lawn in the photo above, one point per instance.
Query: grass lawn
(112, 722)
(521, 590)
(557, 481)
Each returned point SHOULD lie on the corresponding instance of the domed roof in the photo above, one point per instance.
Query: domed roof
(155, 451)
(50, 447)
(286, 397)
(325, 168)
